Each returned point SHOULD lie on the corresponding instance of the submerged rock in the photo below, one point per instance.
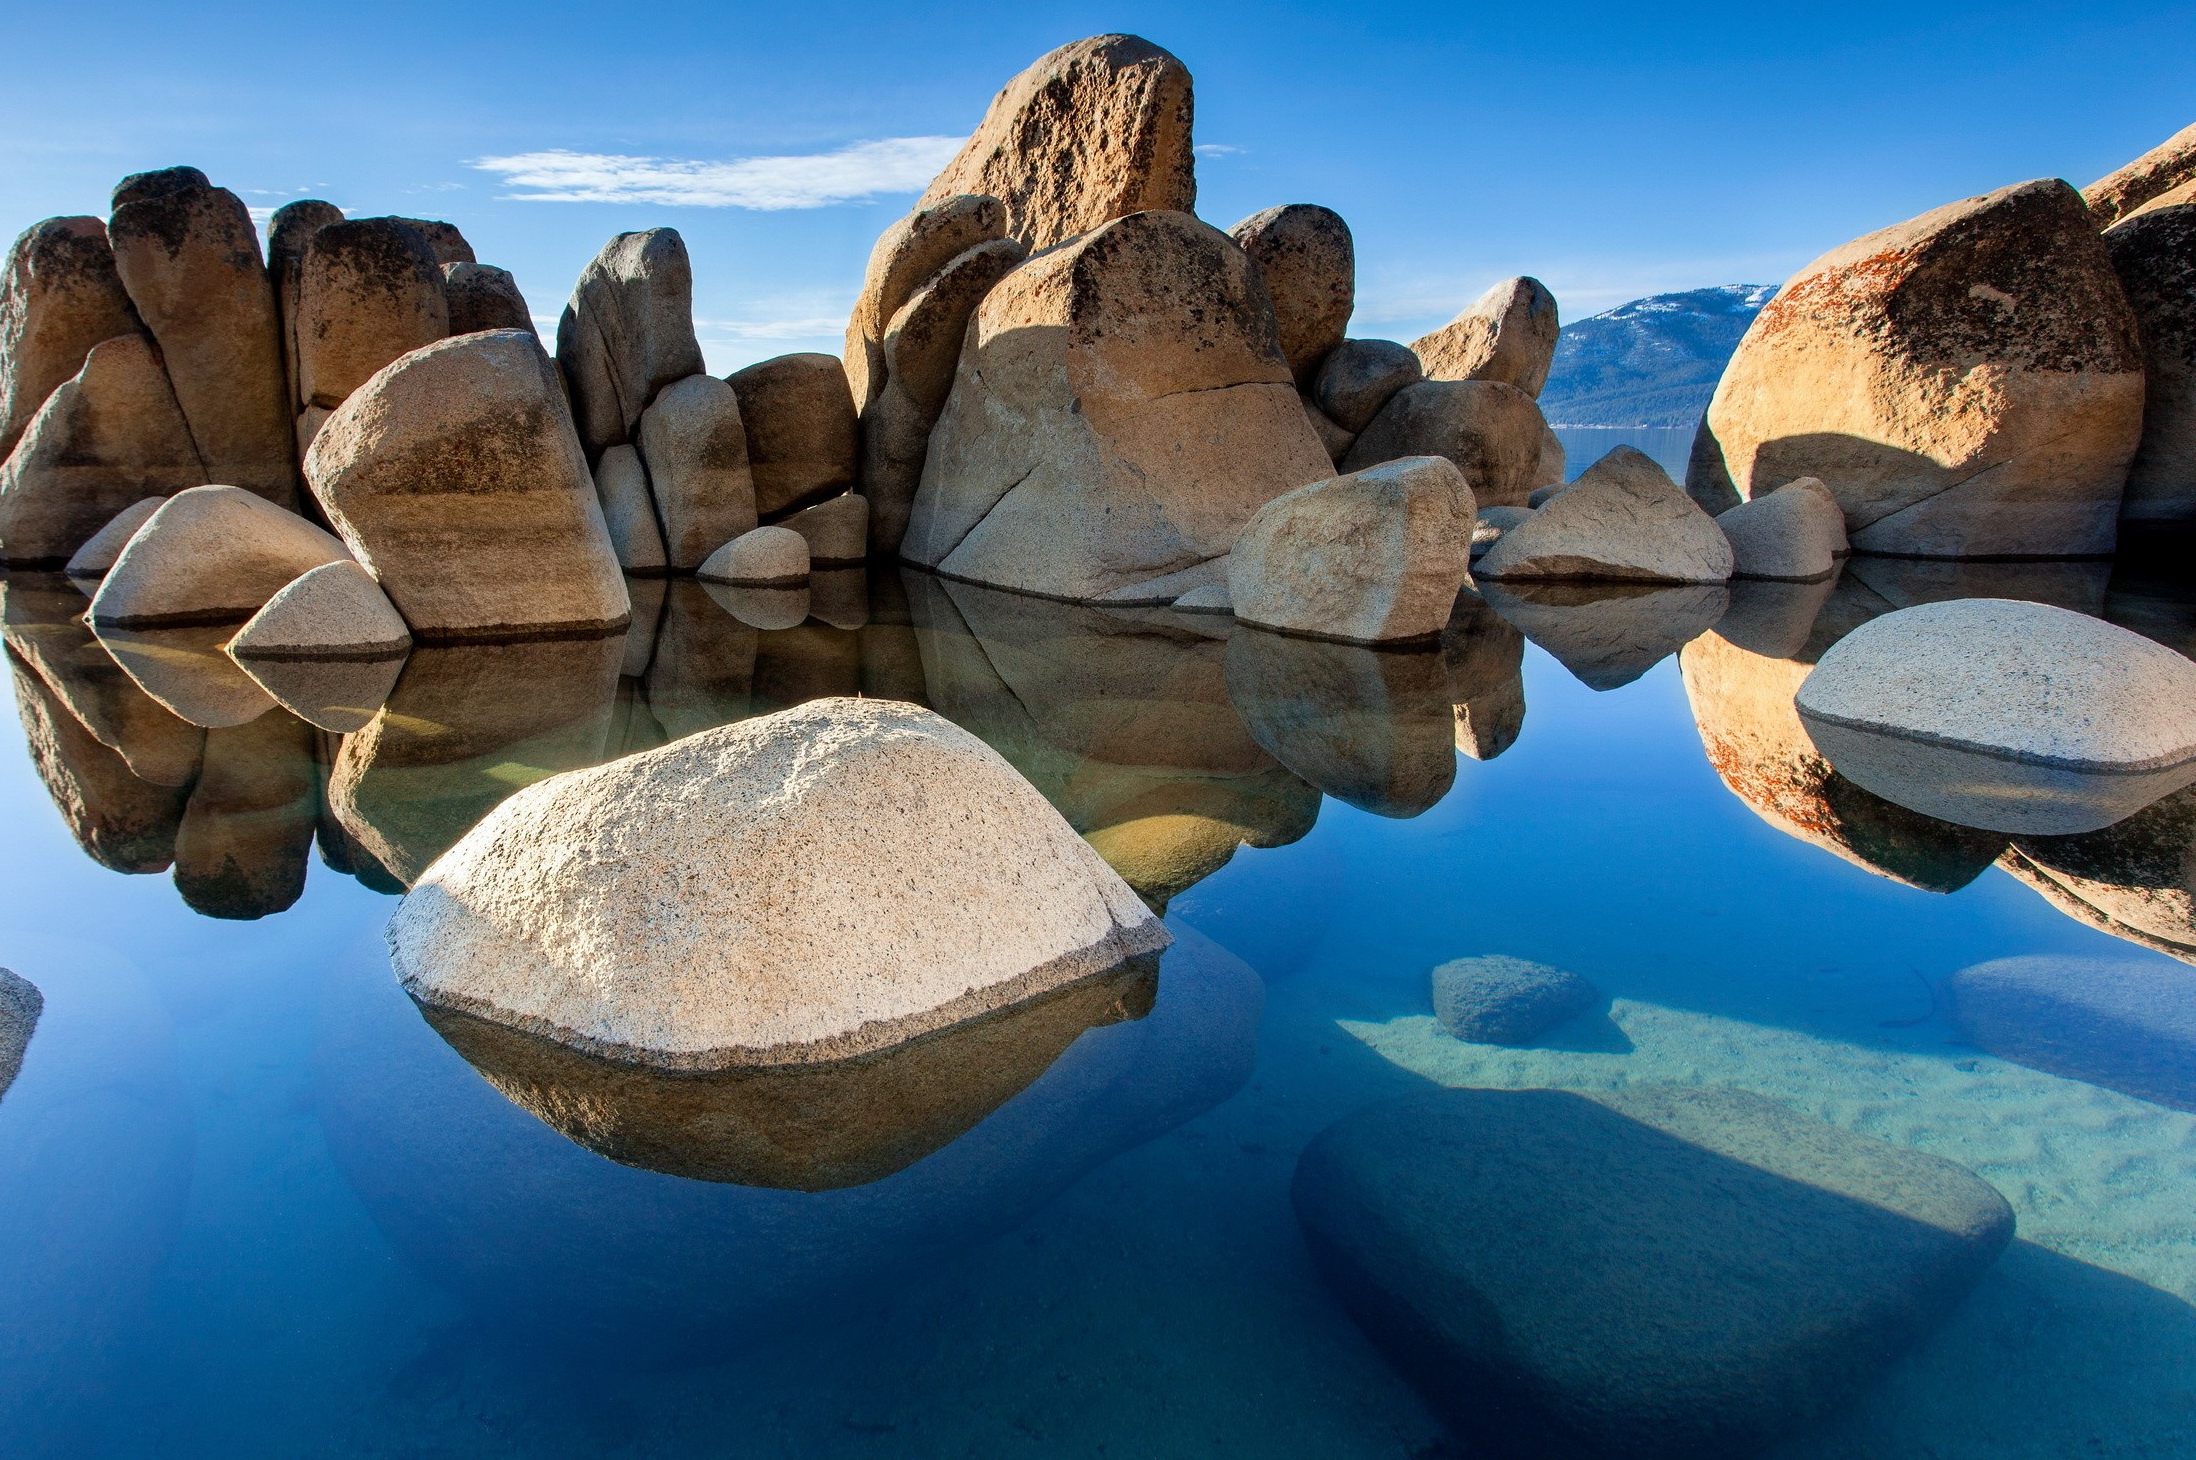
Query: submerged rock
(1358, 377)
(189, 256)
(628, 333)
(2125, 1025)
(1372, 557)
(2018, 717)
(1371, 727)
(59, 296)
(1608, 634)
(209, 555)
(369, 291)
(1507, 334)
(106, 438)
(1305, 254)
(20, 1005)
(1968, 383)
(2164, 167)
(1122, 410)
(695, 448)
(1652, 1272)
(741, 978)
(767, 557)
(92, 561)
(335, 611)
(1092, 132)
(802, 435)
(1622, 520)
(1496, 999)
(1491, 430)
(2154, 255)
(456, 479)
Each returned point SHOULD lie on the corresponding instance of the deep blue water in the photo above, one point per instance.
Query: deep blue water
(251, 1204)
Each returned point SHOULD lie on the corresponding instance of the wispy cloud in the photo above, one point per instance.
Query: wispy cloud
(772, 329)
(862, 170)
(1215, 149)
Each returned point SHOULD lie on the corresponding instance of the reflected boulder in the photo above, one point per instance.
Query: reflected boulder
(1608, 634)
(2135, 879)
(46, 630)
(702, 673)
(2125, 1025)
(1652, 1272)
(185, 670)
(247, 831)
(120, 821)
(1371, 727)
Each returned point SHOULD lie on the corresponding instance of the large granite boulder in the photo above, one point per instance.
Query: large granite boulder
(369, 290)
(1791, 535)
(289, 231)
(2169, 165)
(921, 350)
(443, 239)
(628, 333)
(1122, 410)
(904, 258)
(1968, 383)
(108, 437)
(1490, 429)
(456, 479)
(2014, 716)
(484, 297)
(2124, 1024)
(1373, 557)
(695, 449)
(1742, 707)
(1358, 377)
(2154, 253)
(1623, 520)
(1651, 1272)
(803, 438)
(1507, 334)
(209, 555)
(1309, 262)
(1091, 132)
(189, 256)
(59, 296)
(880, 822)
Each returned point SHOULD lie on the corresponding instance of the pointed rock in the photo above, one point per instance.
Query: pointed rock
(695, 448)
(628, 332)
(903, 259)
(60, 296)
(1508, 334)
(767, 557)
(110, 437)
(1091, 132)
(336, 611)
(2166, 166)
(1623, 520)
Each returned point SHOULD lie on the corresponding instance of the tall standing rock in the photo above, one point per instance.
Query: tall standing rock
(110, 437)
(189, 256)
(1122, 409)
(291, 228)
(1093, 131)
(2161, 169)
(456, 479)
(802, 437)
(696, 452)
(369, 291)
(905, 256)
(628, 332)
(1968, 383)
(2154, 254)
(1310, 266)
(59, 297)
(1508, 334)
(484, 297)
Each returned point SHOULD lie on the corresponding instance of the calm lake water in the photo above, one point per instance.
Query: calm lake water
(1670, 446)
(253, 1204)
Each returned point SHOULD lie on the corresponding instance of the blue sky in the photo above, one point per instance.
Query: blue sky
(1610, 151)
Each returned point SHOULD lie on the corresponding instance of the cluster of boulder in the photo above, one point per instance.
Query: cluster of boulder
(2011, 375)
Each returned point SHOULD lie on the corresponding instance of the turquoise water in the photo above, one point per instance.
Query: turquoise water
(252, 1204)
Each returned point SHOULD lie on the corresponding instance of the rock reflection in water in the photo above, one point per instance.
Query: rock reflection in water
(2135, 880)
(465, 727)
(1122, 719)
(1485, 659)
(120, 820)
(185, 670)
(247, 831)
(558, 1246)
(44, 625)
(812, 1127)
(1608, 634)
(341, 695)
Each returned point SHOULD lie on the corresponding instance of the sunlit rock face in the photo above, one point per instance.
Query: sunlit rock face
(1123, 721)
(1091, 132)
(543, 1238)
(2125, 190)
(59, 297)
(1742, 706)
(1623, 520)
(627, 333)
(209, 555)
(1656, 1273)
(369, 291)
(2010, 715)
(1122, 409)
(1968, 383)
(1507, 334)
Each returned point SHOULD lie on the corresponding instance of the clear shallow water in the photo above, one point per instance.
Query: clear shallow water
(254, 1205)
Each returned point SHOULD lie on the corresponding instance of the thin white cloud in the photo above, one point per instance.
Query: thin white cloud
(1215, 149)
(862, 170)
(814, 327)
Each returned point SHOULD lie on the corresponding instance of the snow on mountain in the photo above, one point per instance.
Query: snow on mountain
(1652, 362)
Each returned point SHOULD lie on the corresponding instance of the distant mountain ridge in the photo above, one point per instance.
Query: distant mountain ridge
(1652, 362)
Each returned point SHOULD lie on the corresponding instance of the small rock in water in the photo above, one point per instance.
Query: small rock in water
(208, 555)
(766, 557)
(335, 611)
(857, 898)
(2013, 716)
(1623, 520)
(1496, 999)
(20, 1006)
(1789, 535)
(1657, 1273)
